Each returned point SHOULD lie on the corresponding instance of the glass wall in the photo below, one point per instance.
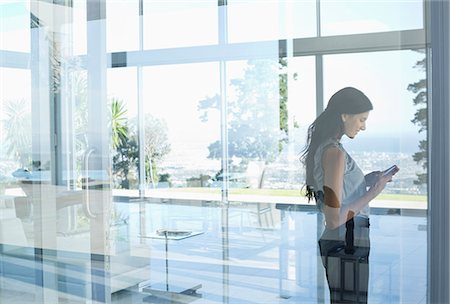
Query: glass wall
(163, 20)
(178, 132)
(15, 23)
(356, 17)
(124, 124)
(151, 149)
(271, 20)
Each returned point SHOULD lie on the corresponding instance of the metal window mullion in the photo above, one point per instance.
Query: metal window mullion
(358, 43)
(439, 155)
(319, 84)
(318, 23)
(223, 40)
(141, 116)
(141, 132)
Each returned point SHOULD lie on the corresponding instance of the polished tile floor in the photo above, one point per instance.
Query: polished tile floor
(250, 254)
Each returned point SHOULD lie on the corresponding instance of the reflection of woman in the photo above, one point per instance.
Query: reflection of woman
(342, 193)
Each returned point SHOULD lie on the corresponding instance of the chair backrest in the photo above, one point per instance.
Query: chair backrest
(7, 209)
(255, 174)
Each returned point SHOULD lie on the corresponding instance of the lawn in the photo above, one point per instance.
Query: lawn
(294, 193)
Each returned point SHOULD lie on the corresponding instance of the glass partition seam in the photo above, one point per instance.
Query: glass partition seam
(224, 133)
(318, 18)
(141, 129)
(223, 21)
(428, 73)
(319, 84)
(98, 137)
(223, 40)
(439, 167)
(42, 98)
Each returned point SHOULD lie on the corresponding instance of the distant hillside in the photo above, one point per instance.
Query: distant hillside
(405, 144)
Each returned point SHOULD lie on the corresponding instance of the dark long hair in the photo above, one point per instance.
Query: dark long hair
(328, 125)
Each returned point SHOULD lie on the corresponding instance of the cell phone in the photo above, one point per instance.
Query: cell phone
(391, 170)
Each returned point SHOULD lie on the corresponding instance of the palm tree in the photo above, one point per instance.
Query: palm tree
(17, 126)
(119, 125)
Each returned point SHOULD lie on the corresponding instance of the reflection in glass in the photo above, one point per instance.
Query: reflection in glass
(179, 23)
(269, 103)
(395, 83)
(270, 20)
(14, 22)
(120, 35)
(124, 124)
(367, 16)
(79, 28)
(385, 78)
(15, 155)
(177, 141)
(262, 244)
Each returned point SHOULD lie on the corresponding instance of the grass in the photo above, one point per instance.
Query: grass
(293, 193)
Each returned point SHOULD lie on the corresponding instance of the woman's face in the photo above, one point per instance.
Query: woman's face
(353, 123)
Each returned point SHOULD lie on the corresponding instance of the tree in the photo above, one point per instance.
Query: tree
(420, 118)
(254, 132)
(124, 144)
(126, 149)
(156, 146)
(125, 160)
(119, 128)
(17, 125)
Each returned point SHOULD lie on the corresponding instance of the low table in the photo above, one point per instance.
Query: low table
(173, 291)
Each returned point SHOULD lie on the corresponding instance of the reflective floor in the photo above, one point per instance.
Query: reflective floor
(247, 253)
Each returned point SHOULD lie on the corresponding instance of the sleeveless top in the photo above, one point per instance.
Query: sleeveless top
(354, 185)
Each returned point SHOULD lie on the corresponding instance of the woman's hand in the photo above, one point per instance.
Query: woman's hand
(372, 178)
(379, 185)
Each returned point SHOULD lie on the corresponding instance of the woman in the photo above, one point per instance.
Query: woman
(342, 193)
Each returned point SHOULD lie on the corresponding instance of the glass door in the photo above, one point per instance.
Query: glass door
(82, 155)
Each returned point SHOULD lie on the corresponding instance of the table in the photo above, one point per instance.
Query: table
(173, 291)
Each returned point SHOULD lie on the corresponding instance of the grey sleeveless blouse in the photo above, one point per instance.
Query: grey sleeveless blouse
(354, 182)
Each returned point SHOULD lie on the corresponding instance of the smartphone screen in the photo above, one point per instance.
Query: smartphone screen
(390, 170)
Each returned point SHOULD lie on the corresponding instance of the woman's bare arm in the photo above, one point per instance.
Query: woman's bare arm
(333, 163)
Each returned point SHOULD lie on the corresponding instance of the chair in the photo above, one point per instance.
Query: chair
(11, 227)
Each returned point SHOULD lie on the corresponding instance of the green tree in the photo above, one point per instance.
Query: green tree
(124, 144)
(420, 118)
(125, 162)
(119, 127)
(255, 132)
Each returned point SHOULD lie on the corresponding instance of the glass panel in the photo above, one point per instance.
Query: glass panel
(123, 102)
(120, 35)
(179, 23)
(270, 20)
(177, 142)
(270, 103)
(390, 130)
(58, 118)
(14, 23)
(79, 27)
(396, 134)
(254, 135)
(16, 154)
(367, 16)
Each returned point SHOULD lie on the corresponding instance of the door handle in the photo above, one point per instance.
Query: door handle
(87, 204)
